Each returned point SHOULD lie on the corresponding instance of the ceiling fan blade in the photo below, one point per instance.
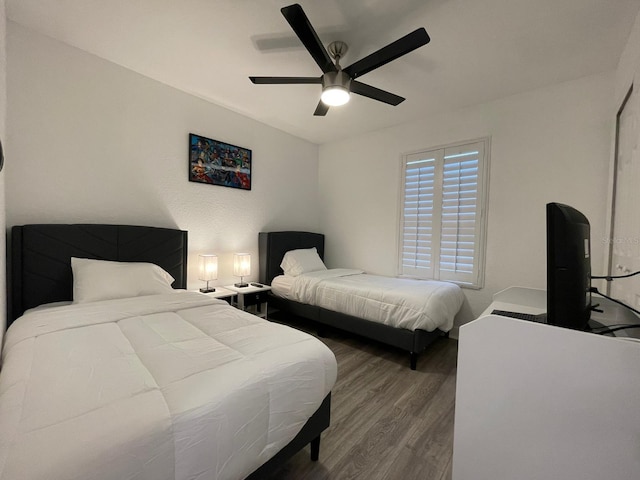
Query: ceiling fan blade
(375, 93)
(321, 109)
(284, 80)
(308, 36)
(400, 47)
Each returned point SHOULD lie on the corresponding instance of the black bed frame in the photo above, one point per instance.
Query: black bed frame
(40, 265)
(273, 246)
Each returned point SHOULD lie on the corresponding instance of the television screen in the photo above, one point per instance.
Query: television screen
(568, 267)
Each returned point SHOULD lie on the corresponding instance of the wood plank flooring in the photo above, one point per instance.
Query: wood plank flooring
(387, 421)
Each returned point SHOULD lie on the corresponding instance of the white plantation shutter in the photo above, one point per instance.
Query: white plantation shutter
(417, 257)
(442, 221)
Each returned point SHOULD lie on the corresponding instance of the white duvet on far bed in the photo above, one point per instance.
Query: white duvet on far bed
(397, 302)
(177, 385)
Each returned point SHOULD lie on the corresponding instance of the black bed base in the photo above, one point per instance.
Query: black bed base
(413, 341)
(310, 434)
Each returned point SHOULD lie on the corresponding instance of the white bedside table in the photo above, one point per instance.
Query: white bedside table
(222, 293)
(251, 299)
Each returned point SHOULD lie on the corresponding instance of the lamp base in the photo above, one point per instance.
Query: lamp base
(207, 290)
(241, 285)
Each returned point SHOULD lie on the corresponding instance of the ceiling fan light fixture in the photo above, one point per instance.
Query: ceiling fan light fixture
(335, 88)
(334, 96)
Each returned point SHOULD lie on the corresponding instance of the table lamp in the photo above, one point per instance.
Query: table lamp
(207, 270)
(241, 267)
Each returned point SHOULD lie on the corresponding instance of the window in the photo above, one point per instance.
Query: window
(442, 220)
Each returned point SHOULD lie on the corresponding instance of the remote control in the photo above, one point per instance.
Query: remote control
(257, 285)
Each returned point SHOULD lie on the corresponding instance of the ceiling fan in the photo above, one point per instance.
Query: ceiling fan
(337, 83)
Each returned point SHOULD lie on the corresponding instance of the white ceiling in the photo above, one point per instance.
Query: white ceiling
(480, 50)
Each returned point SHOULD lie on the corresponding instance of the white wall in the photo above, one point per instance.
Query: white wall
(3, 136)
(90, 141)
(625, 239)
(628, 69)
(547, 145)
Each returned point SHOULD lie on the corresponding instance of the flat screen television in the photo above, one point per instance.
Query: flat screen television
(568, 267)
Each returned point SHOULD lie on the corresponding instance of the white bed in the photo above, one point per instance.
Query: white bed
(406, 313)
(396, 302)
(112, 370)
(176, 385)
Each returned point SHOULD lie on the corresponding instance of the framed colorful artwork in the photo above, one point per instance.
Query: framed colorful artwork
(219, 163)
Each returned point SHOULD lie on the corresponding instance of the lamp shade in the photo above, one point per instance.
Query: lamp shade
(241, 264)
(207, 267)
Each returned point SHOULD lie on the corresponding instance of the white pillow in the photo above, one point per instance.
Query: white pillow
(297, 262)
(95, 280)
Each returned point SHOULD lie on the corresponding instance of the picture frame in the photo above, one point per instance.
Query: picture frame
(219, 163)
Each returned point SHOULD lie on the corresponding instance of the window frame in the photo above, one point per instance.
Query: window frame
(438, 153)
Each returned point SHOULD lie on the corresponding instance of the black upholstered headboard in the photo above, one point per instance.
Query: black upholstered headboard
(273, 246)
(41, 257)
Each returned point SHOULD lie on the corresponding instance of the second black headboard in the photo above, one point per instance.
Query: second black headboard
(273, 246)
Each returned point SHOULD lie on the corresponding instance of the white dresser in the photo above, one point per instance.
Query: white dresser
(535, 401)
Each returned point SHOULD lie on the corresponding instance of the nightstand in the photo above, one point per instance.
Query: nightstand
(222, 293)
(251, 299)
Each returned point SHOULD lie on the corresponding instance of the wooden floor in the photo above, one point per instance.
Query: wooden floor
(387, 421)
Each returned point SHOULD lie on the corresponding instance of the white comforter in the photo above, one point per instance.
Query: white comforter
(397, 302)
(158, 387)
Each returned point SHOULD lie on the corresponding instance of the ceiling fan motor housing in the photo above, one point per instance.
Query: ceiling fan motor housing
(336, 79)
